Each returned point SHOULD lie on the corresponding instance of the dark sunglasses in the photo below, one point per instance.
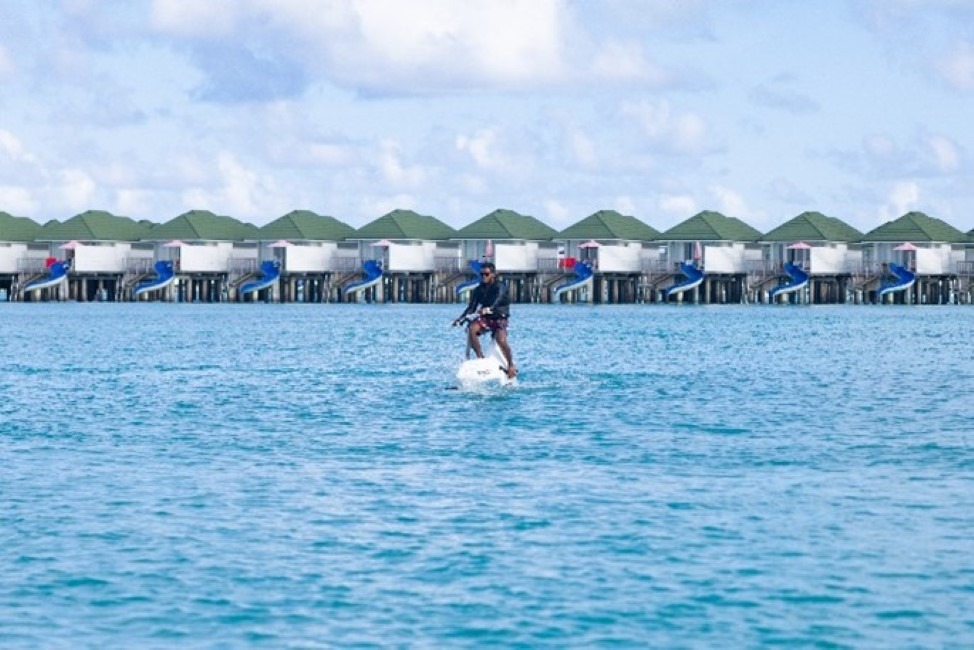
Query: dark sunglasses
(486, 274)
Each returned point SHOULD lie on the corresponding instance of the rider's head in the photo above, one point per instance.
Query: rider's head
(488, 272)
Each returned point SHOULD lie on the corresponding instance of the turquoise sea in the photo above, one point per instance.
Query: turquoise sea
(299, 476)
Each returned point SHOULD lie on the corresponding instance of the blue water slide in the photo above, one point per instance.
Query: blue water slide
(57, 273)
(164, 277)
(798, 281)
(464, 287)
(270, 271)
(694, 277)
(373, 275)
(904, 280)
(584, 275)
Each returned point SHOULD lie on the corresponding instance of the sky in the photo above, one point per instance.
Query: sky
(759, 109)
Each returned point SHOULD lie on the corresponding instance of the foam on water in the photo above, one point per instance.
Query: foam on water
(281, 475)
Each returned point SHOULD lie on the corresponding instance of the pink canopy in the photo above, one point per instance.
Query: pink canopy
(590, 244)
(382, 243)
(489, 248)
(799, 246)
(697, 251)
(70, 246)
(280, 243)
(905, 246)
(173, 244)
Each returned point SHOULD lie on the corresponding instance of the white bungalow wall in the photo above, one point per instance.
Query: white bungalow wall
(211, 257)
(419, 256)
(10, 254)
(516, 257)
(308, 258)
(728, 258)
(620, 258)
(112, 257)
(831, 260)
(935, 260)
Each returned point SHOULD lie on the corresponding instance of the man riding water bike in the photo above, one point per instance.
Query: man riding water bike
(491, 302)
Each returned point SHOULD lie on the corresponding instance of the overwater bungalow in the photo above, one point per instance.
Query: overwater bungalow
(303, 254)
(21, 257)
(704, 260)
(610, 252)
(521, 248)
(90, 257)
(914, 259)
(211, 256)
(402, 255)
(811, 258)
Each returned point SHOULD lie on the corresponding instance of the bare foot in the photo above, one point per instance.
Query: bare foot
(511, 372)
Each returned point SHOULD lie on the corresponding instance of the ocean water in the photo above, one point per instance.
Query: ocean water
(223, 476)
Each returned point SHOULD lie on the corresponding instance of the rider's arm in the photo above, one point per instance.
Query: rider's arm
(501, 296)
(471, 306)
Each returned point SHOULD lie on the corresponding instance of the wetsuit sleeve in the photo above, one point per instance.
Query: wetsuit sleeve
(472, 305)
(502, 297)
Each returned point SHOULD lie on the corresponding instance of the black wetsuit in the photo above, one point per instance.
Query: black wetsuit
(495, 296)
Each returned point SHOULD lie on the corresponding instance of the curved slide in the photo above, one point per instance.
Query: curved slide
(584, 275)
(798, 281)
(464, 287)
(164, 277)
(270, 272)
(692, 281)
(57, 272)
(904, 280)
(373, 275)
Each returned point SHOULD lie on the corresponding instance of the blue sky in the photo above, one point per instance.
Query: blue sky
(761, 109)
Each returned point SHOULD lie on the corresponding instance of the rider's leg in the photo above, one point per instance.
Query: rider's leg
(473, 339)
(500, 338)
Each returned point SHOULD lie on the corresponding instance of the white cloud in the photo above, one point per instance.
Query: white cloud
(958, 68)
(626, 62)
(945, 153)
(194, 18)
(729, 202)
(241, 192)
(11, 148)
(624, 205)
(75, 190)
(903, 197)
(674, 132)
(394, 172)
(557, 214)
(583, 149)
(17, 200)
(680, 206)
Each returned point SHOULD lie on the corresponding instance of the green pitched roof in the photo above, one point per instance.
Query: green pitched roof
(17, 228)
(813, 226)
(405, 224)
(915, 227)
(608, 225)
(711, 226)
(507, 224)
(306, 225)
(203, 225)
(93, 225)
